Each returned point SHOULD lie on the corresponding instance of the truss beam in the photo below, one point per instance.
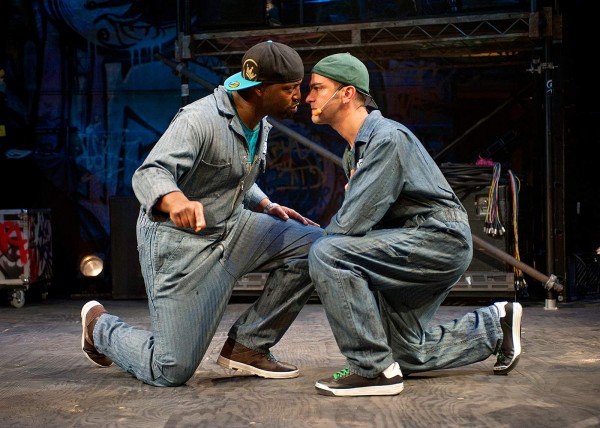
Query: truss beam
(460, 39)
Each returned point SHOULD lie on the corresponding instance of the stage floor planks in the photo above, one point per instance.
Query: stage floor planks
(45, 381)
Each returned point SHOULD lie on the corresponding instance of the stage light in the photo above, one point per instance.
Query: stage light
(91, 265)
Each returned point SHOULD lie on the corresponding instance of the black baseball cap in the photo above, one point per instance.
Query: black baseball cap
(267, 62)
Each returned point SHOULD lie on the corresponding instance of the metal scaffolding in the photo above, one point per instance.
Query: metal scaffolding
(459, 40)
(454, 40)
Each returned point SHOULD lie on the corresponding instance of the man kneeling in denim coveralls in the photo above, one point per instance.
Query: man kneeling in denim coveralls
(398, 244)
(203, 224)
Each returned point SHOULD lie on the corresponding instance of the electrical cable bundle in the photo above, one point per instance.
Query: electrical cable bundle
(515, 187)
(468, 178)
(493, 224)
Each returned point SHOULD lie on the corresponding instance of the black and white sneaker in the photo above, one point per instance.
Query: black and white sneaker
(510, 351)
(346, 384)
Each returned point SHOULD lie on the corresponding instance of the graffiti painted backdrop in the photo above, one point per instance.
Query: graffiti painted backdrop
(84, 99)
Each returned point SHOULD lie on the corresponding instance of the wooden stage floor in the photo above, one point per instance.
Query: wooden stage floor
(45, 381)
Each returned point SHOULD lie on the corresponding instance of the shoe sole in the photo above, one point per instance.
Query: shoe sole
(360, 392)
(86, 308)
(230, 364)
(516, 340)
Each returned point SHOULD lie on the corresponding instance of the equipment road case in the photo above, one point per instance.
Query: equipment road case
(25, 252)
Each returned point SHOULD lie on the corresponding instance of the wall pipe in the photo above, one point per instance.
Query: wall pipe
(306, 142)
(550, 282)
(482, 121)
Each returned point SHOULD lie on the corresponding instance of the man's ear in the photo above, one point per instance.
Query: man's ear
(348, 93)
(260, 89)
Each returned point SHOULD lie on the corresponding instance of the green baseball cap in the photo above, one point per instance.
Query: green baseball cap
(347, 70)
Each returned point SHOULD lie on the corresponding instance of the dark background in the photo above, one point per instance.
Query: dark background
(83, 100)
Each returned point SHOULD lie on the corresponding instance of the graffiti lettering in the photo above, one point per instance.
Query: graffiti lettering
(10, 237)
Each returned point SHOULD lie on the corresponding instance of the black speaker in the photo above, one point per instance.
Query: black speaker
(476, 203)
(127, 281)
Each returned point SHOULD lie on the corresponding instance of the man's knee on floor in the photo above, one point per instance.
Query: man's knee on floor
(175, 374)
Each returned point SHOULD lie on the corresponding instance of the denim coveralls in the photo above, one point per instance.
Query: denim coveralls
(390, 256)
(189, 276)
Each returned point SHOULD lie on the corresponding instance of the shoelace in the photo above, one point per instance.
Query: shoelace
(501, 356)
(342, 373)
(272, 357)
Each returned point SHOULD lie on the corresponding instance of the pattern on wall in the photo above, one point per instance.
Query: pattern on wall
(89, 100)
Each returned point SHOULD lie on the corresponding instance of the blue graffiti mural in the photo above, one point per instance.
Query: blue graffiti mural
(97, 100)
(87, 99)
(118, 25)
(117, 99)
(84, 97)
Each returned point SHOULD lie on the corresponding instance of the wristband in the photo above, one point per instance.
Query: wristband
(269, 206)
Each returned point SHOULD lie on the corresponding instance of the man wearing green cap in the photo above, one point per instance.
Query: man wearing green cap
(391, 254)
(203, 224)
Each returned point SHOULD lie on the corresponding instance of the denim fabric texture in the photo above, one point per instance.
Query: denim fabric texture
(189, 276)
(390, 256)
(204, 154)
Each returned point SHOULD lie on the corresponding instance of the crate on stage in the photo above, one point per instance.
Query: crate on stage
(486, 275)
(251, 283)
(25, 251)
(484, 283)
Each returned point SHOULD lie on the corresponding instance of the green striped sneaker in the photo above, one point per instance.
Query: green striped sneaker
(347, 384)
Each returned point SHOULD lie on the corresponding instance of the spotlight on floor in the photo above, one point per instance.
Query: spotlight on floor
(91, 265)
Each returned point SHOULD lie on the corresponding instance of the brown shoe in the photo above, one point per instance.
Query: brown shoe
(89, 315)
(236, 356)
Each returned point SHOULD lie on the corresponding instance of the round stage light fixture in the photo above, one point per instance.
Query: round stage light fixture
(91, 265)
